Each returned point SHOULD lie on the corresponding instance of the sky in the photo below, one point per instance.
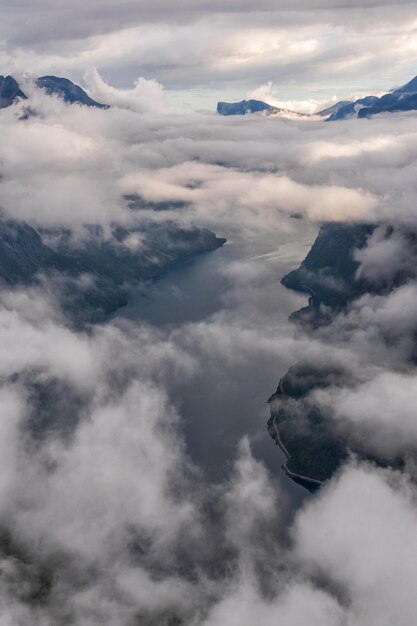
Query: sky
(311, 52)
(111, 520)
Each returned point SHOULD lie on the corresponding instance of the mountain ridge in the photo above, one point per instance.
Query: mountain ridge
(65, 89)
(94, 276)
(403, 98)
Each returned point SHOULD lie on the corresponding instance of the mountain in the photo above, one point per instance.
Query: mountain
(92, 278)
(391, 103)
(315, 445)
(352, 109)
(312, 448)
(410, 87)
(334, 109)
(328, 273)
(10, 91)
(402, 99)
(244, 106)
(68, 91)
(255, 106)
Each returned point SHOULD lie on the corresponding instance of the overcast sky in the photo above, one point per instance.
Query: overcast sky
(307, 49)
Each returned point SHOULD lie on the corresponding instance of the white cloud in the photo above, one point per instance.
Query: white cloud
(358, 535)
(146, 95)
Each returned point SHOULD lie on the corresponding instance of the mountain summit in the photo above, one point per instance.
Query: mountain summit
(244, 106)
(410, 87)
(67, 91)
(10, 91)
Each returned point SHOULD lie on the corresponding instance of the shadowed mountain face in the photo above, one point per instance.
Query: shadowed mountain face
(352, 109)
(314, 443)
(10, 91)
(68, 91)
(402, 99)
(93, 276)
(391, 103)
(328, 273)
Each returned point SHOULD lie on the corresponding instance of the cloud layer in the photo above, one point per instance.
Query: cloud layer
(109, 517)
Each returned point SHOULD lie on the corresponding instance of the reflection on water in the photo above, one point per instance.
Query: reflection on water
(235, 287)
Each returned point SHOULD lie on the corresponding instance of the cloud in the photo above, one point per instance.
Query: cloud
(115, 518)
(235, 46)
(365, 559)
(386, 255)
(146, 95)
(231, 192)
(82, 161)
(269, 93)
(298, 604)
(379, 410)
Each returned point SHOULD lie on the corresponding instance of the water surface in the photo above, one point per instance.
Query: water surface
(235, 285)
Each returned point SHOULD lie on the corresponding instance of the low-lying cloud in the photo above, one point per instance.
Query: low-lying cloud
(112, 519)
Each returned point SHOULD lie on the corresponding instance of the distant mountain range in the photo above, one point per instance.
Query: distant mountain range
(11, 92)
(402, 99)
(245, 106)
(253, 106)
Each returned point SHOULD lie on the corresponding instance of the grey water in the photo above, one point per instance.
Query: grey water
(237, 285)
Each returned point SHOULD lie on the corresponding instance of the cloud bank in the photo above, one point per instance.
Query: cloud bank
(105, 517)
